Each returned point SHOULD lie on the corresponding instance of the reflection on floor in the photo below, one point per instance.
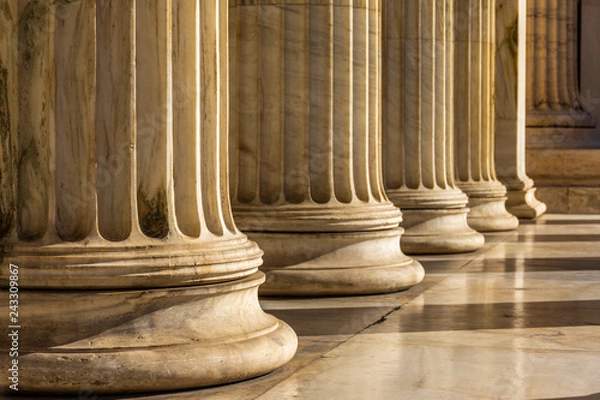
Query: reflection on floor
(519, 319)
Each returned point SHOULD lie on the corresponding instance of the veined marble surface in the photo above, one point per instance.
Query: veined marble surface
(518, 319)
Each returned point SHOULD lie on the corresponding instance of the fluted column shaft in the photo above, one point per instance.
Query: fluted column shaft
(118, 171)
(553, 98)
(112, 151)
(8, 121)
(474, 116)
(509, 99)
(305, 146)
(418, 126)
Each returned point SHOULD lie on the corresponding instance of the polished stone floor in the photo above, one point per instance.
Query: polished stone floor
(519, 319)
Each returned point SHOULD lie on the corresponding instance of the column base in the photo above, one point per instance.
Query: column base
(487, 201)
(146, 340)
(439, 232)
(489, 214)
(139, 262)
(524, 204)
(335, 264)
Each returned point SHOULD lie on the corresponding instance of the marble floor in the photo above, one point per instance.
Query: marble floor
(519, 319)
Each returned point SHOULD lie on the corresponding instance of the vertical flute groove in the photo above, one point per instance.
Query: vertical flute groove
(343, 70)
(361, 86)
(186, 107)
(36, 120)
(75, 119)
(211, 122)
(447, 101)
(571, 63)
(394, 173)
(249, 125)
(296, 98)
(374, 152)
(320, 124)
(154, 115)
(554, 46)
(115, 118)
(271, 78)
(541, 54)
(222, 71)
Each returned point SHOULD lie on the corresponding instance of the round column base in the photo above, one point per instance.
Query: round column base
(335, 264)
(489, 214)
(524, 204)
(146, 340)
(439, 232)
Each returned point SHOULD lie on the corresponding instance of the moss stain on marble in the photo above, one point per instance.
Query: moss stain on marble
(153, 214)
(32, 29)
(5, 11)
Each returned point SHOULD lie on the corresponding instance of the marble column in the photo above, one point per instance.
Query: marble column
(511, 26)
(474, 116)
(418, 129)
(8, 112)
(132, 275)
(305, 147)
(556, 116)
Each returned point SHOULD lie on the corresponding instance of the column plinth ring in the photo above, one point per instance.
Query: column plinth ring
(113, 341)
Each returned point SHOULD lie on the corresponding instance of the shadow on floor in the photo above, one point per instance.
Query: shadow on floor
(432, 318)
(533, 265)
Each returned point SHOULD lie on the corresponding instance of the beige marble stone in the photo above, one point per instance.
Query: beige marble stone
(8, 112)
(572, 199)
(132, 274)
(554, 167)
(474, 116)
(553, 96)
(563, 136)
(590, 59)
(509, 101)
(518, 319)
(305, 147)
(418, 127)
(584, 200)
(147, 340)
